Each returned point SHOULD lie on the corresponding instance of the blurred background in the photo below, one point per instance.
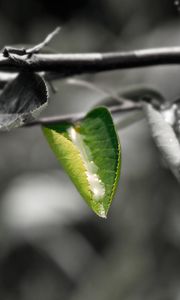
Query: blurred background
(51, 245)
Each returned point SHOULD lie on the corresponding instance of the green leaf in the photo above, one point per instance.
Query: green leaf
(89, 151)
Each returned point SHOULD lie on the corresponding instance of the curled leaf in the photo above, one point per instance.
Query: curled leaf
(22, 100)
(90, 153)
(164, 137)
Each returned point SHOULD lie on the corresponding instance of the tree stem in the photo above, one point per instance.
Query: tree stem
(74, 64)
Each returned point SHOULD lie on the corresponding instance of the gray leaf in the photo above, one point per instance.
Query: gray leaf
(165, 138)
(22, 100)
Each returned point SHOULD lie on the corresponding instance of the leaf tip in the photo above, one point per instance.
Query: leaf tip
(101, 211)
(103, 215)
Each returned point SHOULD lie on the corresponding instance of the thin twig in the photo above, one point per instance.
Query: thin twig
(94, 87)
(45, 121)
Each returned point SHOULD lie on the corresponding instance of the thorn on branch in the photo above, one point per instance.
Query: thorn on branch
(44, 43)
(8, 50)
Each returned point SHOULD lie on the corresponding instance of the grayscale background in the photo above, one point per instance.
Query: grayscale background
(52, 246)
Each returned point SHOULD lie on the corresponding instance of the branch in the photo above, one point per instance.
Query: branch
(125, 107)
(74, 64)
